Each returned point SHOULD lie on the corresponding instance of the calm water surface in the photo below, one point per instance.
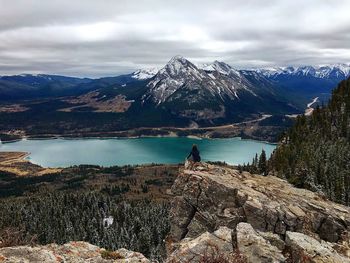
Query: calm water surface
(107, 152)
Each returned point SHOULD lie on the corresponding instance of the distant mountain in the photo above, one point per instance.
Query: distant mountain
(143, 74)
(27, 86)
(302, 84)
(335, 71)
(40, 80)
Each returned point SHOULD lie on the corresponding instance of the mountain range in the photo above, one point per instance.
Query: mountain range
(181, 93)
(306, 82)
(304, 79)
(340, 70)
(324, 71)
(214, 93)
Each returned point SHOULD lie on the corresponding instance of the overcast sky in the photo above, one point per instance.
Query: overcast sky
(108, 37)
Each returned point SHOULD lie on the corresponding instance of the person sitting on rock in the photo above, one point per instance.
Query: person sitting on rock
(194, 154)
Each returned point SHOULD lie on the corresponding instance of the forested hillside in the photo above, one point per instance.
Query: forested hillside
(315, 153)
(111, 207)
(61, 217)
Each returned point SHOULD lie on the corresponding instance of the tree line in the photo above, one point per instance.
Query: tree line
(315, 152)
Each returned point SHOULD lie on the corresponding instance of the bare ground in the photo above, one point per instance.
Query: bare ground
(15, 163)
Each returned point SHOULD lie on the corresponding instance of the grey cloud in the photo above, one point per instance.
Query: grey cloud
(107, 37)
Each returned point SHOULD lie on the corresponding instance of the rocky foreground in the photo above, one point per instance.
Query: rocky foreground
(260, 219)
(221, 215)
(72, 252)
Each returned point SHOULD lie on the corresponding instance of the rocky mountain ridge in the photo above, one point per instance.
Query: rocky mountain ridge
(265, 219)
(179, 73)
(338, 70)
(322, 71)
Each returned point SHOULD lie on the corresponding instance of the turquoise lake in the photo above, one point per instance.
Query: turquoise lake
(108, 152)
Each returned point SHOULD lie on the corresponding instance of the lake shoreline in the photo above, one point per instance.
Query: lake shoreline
(132, 137)
(63, 152)
(123, 135)
(246, 130)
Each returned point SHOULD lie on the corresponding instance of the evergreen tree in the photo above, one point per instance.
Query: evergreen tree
(262, 165)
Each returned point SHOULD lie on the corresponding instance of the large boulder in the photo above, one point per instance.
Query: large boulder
(311, 250)
(255, 248)
(204, 246)
(274, 239)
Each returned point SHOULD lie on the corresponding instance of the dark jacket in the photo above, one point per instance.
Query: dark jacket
(195, 156)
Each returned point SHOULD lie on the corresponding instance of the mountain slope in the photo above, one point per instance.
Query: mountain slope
(315, 153)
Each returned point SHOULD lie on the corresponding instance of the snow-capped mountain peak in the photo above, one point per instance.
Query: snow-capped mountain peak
(305, 70)
(345, 68)
(178, 65)
(220, 67)
(143, 74)
(173, 76)
(182, 77)
(178, 58)
(323, 71)
(337, 70)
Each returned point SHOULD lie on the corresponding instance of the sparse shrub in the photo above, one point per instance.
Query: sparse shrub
(106, 254)
(12, 236)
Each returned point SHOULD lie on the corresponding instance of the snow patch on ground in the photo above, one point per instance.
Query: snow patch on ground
(107, 221)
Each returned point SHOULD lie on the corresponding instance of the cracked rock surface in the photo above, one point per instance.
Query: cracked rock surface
(265, 208)
(192, 250)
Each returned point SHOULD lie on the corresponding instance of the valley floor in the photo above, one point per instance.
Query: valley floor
(254, 129)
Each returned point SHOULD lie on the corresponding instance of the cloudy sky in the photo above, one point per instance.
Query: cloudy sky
(108, 37)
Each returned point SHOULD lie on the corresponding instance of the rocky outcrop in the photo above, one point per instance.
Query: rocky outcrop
(263, 213)
(72, 252)
(255, 247)
(308, 248)
(194, 250)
